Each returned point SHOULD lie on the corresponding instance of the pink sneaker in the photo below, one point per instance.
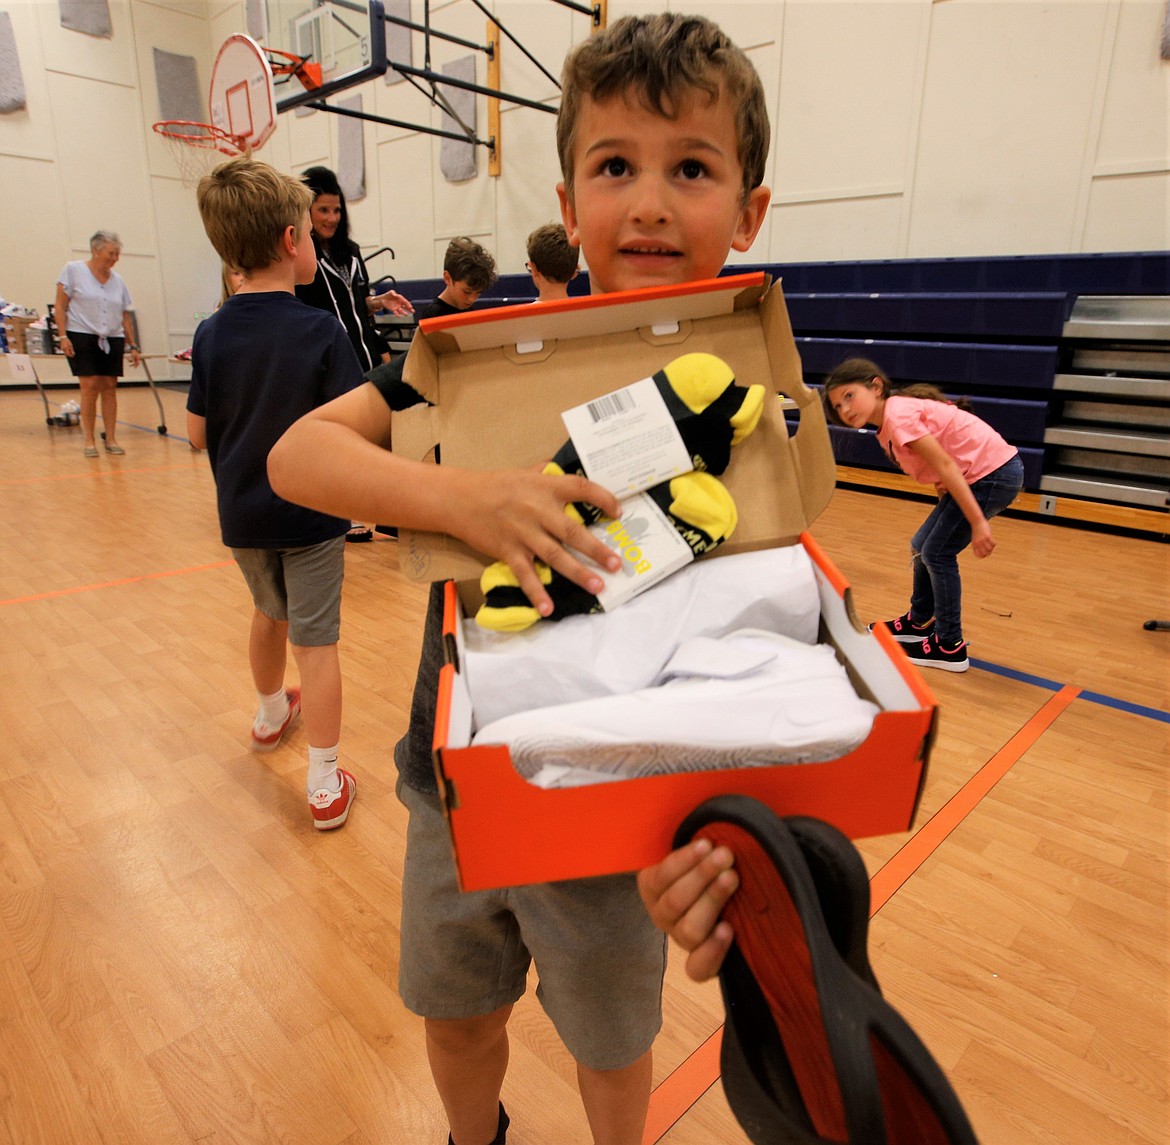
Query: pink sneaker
(331, 808)
(269, 740)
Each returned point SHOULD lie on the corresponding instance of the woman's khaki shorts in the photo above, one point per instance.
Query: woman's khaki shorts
(464, 955)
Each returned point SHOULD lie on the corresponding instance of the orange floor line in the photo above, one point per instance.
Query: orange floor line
(923, 843)
(113, 583)
(677, 1092)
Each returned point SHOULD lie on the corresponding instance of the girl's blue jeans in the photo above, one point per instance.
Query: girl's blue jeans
(938, 590)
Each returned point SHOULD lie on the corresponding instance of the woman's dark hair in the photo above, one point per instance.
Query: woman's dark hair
(322, 181)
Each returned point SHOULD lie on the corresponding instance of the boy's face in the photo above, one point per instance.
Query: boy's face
(458, 293)
(657, 201)
(305, 263)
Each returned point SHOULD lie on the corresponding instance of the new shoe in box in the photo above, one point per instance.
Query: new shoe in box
(498, 381)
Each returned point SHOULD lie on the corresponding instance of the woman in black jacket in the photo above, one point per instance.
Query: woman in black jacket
(342, 284)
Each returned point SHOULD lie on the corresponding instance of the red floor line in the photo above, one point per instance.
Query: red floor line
(113, 583)
(120, 470)
(682, 1088)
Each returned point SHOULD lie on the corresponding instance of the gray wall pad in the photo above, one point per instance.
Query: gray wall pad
(351, 151)
(177, 81)
(398, 39)
(89, 16)
(457, 160)
(257, 20)
(11, 81)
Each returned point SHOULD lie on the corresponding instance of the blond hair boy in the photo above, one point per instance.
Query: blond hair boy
(662, 136)
(261, 361)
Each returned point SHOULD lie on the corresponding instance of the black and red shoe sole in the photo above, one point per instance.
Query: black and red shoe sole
(812, 1052)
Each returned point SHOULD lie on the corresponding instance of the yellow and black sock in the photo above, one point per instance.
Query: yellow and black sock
(697, 504)
(712, 413)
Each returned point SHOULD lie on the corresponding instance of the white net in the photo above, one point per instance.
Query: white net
(196, 147)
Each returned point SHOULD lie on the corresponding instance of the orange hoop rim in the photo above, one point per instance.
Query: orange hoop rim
(207, 137)
(308, 72)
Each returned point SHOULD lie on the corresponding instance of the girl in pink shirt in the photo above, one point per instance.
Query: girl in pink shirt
(977, 475)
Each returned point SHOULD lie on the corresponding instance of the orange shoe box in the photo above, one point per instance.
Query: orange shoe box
(497, 381)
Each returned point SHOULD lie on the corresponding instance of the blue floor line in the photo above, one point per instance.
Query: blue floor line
(1092, 697)
(1013, 674)
(1126, 706)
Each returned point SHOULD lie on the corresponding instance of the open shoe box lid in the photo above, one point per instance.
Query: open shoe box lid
(499, 379)
(497, 403)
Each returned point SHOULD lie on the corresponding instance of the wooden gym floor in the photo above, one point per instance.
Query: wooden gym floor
(183, 958)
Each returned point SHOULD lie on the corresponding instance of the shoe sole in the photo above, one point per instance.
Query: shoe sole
(959, 667)
(339, 820)
(810, 1049)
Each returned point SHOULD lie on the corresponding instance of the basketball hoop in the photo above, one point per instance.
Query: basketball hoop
(285, 63)
(197, 147)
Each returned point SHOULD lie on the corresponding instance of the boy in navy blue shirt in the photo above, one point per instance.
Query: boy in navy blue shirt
(260, 362)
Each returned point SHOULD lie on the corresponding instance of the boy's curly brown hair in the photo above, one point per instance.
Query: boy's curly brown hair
(661, 61)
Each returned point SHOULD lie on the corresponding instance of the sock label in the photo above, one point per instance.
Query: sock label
(627, 440)
(649, 545)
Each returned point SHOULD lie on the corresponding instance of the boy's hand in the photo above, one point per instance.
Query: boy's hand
(685, 894)
(518, 516)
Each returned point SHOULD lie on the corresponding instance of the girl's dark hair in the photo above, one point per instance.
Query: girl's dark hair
(852, 372)
(931, 394)
(322, 181)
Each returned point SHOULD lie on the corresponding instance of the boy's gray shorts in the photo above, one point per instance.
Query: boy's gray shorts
(302, 586)
(464, 955)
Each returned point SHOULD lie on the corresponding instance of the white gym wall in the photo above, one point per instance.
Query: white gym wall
(902, 128)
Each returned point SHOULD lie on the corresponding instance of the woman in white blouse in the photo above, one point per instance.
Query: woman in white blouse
(93, 313)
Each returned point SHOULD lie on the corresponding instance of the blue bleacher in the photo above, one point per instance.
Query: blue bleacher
(1136, 272)
(955, 364)
(966, 314)
(987, 329)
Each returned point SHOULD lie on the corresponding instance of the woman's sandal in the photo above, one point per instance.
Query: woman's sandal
(812, 1053)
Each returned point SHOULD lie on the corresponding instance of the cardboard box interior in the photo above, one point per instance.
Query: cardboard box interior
(498, 382)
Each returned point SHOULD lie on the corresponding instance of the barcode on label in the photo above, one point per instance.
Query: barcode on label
(610, 405)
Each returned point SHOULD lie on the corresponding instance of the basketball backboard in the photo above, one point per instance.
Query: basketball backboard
(241, 98)
(346, 37)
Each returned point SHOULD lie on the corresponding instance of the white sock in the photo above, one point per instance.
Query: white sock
(323, 771)
(273, 709)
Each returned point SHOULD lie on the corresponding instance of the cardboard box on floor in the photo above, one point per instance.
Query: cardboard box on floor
(498, 381)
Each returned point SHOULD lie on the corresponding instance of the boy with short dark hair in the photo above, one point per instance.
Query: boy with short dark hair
(552, 261)
(261, 361)
(468, 270)
(662, 164)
